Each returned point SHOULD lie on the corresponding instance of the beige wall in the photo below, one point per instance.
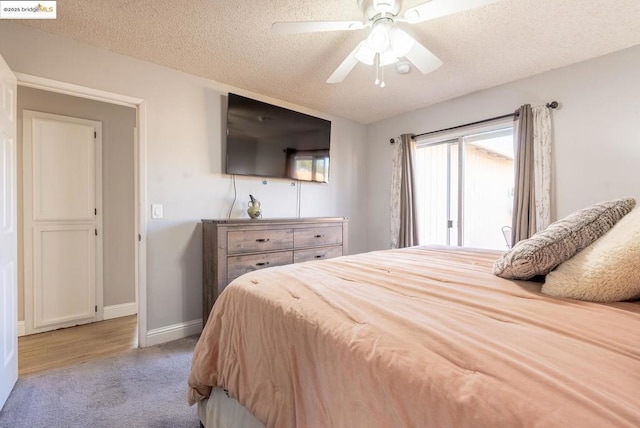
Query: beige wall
(118, 124)
(183, 161)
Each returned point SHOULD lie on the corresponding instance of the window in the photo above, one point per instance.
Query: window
(308, 165)
(465, 185)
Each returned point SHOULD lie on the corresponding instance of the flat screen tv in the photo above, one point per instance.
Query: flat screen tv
(270, 141)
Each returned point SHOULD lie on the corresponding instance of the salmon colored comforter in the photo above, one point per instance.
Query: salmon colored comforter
(417, 337)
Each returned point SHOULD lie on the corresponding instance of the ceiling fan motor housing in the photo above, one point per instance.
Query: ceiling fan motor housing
(374, 8)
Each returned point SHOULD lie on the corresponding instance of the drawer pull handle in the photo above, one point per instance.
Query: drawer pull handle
(319, 256)
(318, 236)
(262, 240)
(262, 264)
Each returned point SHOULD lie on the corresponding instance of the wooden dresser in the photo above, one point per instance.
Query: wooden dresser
(233, 247)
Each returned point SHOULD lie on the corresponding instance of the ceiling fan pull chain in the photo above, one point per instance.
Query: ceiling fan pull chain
(377, 68)
(382, 85)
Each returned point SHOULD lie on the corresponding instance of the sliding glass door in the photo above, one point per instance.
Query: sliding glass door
(465, 189)
(437, 196)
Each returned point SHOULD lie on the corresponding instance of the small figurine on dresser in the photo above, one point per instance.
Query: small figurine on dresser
(254, 208)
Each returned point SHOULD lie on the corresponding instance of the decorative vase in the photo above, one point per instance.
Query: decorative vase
(254, 208)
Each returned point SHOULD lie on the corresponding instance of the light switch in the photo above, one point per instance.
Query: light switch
(156, 211)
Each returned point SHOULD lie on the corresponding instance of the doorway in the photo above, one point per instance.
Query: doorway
(62, 218)
(127, 300)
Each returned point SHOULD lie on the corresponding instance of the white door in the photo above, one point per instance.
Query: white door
(62, 221)
(8, 235)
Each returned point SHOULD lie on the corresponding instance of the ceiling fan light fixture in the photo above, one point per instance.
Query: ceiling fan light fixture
(379, 37)
(400, 42)
(364, 53)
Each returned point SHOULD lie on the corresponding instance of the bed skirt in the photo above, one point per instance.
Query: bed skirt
(222, 411)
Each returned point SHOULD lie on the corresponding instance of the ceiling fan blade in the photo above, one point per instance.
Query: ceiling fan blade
(422, 58)
(315, 26)
(345, 68)
(436, 8)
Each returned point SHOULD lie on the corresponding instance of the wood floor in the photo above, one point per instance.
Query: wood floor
(69, 346)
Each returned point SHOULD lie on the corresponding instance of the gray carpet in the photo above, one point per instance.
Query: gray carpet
(140, 388)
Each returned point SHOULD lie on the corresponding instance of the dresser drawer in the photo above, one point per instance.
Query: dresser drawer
(254, 241)
(317, 236)
(239, 265)
(321, 253)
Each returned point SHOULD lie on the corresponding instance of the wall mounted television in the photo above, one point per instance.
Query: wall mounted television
(269, 141)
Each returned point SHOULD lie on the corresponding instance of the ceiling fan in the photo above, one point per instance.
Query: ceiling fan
(386, 42)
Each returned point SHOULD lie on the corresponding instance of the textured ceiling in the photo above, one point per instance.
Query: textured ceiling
(230, 41)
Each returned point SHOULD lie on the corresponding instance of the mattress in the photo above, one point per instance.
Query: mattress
(417, 337)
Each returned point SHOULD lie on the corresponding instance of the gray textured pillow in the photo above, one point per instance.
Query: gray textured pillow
(546, 249)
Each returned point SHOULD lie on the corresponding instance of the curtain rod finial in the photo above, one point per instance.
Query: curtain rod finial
(553, 104)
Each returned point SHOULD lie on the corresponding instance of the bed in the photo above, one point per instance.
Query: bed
(415, 337)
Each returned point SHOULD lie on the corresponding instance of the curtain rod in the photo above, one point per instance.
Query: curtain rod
(552, 105)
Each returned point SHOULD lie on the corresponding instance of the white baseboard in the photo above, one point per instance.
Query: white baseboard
(20, 328)
(121, 310)
(173, 332)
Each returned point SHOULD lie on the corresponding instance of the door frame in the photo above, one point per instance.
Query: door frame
(8, 235)
(140, 172)
(31, 225)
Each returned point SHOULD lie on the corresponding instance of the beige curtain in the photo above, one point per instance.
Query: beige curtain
(542, 165)
(404, 219)
(524, 216)
(532, 195)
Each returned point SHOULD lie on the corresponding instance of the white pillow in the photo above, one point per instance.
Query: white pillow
(606, 271)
